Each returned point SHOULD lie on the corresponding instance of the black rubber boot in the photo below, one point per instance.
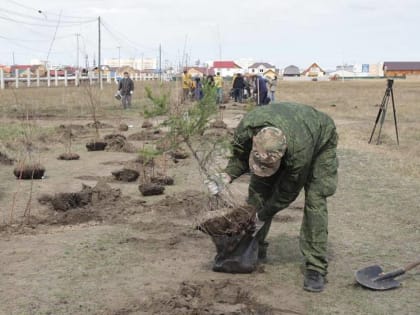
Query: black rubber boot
(262, 251)
(314, 281)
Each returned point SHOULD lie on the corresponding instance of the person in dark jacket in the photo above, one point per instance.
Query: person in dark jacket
(287, 147)
(261, 91)
(238, 88)
(126, 88)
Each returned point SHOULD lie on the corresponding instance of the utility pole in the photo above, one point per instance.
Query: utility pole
(160, 62)
(13, 57)
(119, 56)
(77, 58)
(99, 54)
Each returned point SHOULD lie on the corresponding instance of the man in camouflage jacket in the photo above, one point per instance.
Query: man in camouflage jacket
(287, 147)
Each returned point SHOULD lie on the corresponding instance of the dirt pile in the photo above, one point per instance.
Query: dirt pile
(185, 204)
(123, 127)
(208, 297)
(118, 143)
(96, 145)
(151, 189)
(68, 156)
(101, 193)
(99, 125)
(5, 159)
(75, 129)
(147, 124)
(126, 175)
(218, 124)
(29, 171)
(162, 180)
(146, 135)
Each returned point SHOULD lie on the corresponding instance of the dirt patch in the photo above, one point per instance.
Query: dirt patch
(179, 155)
(5, 159)
(206, 297)
(29, 171)
(74, 128)
(162, 180)
(146, 135)
(126, 175)
(151, 189)
(147, 124)
(218, 124)
(68, 156)
(88, 195)
(123, 127)
(99, 125)
(118, 143)
(96, 146)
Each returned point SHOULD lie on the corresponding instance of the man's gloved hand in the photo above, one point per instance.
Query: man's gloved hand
(131, 92)
(258, 224)
(217, 182)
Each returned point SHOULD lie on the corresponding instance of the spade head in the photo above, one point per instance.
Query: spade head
(368, 277)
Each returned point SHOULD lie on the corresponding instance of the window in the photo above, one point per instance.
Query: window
(261, 70)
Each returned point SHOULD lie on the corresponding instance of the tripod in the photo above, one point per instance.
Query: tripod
(389, 93)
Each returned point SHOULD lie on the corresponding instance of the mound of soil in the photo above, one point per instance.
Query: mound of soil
(118, 143)
(5, 159)
(123, 127)
(218, 124)
(96, 146)
(29, 171)
(179, 155)
(126, 175)
(99, 125)
(146, 135)
(222, 297)
(228, 221)
(68, 156)
(74, 128)
(147, 124)
(162, 180)
(151, 189)
(186, 204)
(102, 192)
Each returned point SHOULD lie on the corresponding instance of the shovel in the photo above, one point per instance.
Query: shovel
(372, 277)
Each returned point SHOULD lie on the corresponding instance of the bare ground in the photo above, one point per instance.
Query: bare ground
(138, 255)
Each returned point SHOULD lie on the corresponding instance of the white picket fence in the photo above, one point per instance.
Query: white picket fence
(30, 80)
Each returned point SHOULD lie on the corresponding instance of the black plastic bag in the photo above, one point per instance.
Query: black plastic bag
(236, 254)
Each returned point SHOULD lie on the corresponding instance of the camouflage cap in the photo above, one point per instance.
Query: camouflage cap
(268, 147)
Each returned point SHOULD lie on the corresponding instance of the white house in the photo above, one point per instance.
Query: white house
(261, 68)
(226, 68)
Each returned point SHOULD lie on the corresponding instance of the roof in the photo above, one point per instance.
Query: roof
(291, 70)
(225, 65)
(261, 64)
(401, 65)
(314, 65)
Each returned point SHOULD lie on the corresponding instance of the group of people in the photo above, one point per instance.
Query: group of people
(256, 86)
(260, 88)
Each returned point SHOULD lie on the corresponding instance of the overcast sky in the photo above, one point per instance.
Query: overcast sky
(282, 32)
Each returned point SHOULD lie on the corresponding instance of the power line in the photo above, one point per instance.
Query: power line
(43, 12)
(39, 24)
(45, 20)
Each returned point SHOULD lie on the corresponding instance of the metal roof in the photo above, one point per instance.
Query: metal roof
(401, 65)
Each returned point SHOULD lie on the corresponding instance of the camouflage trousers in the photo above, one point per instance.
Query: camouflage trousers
(321, 183)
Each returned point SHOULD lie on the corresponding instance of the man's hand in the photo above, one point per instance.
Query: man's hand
(217, 182)
(258, 224)
(131, 92)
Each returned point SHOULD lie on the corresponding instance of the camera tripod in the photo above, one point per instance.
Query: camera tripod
(389, 94)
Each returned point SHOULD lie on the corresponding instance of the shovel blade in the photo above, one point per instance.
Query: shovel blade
(367, 277)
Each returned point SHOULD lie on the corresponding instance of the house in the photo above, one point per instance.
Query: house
(22, 70)
(226, 68)
(291, 71)
(314, 71)
(149, 74)
(199, 71)
(263, 68)
(401, 68)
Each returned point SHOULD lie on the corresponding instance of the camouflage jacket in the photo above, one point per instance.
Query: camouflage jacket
(307, 131)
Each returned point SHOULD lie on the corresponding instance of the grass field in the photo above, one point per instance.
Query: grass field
(141, 255)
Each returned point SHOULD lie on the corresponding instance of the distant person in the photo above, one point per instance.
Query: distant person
(218, 83)
(186, 85)
(198, 91)
(209, 80)
(273, 88)
(238, 88)
(260, 89)
(126, 88)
